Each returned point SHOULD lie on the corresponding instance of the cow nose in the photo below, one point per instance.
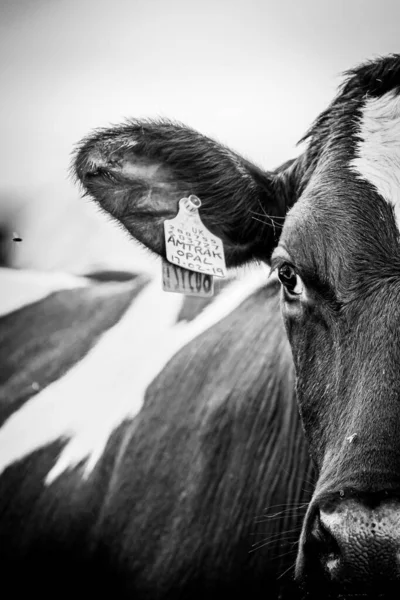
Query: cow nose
(357, 544)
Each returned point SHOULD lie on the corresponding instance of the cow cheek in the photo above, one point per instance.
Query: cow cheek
(313, 401)
(312, 351)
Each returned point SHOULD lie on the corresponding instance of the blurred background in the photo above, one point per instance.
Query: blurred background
(251, 73)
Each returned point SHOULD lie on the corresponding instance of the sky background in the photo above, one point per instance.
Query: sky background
(253, 74)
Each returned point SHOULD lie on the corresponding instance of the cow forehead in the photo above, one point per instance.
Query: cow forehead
(352, 199)
(377, 159)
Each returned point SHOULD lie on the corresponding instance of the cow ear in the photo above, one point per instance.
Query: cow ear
(139, 172)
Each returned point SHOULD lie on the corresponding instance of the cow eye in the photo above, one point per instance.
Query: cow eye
(290, 280)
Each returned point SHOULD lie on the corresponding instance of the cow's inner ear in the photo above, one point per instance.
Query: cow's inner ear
(248, 217)
(265, 216)
(140, 184)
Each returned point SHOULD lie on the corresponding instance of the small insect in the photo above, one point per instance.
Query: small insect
(16, 237)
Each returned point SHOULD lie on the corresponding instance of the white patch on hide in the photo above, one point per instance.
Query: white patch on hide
(378, 151)
(108, 385)
(20, 288)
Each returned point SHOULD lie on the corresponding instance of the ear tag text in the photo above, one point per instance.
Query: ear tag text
(182, 281)
(189, 244)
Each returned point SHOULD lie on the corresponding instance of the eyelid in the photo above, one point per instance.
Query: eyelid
(279, 256)
(278, 261)
(309, 279)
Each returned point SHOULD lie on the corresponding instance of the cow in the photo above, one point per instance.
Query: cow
(281, 392)
(330, 231)
(144, 451)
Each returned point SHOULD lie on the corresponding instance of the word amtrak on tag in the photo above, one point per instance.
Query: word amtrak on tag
(189, 244)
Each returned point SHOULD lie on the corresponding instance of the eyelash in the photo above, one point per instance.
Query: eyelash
(278, 265)
(323, 290)
(290, 280)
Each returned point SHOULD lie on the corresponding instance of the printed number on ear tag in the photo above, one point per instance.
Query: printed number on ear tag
(183, 281)
(189, 244)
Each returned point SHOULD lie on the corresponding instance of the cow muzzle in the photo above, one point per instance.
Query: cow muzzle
(352, 548)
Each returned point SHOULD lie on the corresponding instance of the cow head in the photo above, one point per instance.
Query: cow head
(328, 222)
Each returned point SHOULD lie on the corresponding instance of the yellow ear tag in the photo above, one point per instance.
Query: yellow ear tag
(189, 244)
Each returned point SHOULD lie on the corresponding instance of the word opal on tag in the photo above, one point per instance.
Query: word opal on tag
(189, 244)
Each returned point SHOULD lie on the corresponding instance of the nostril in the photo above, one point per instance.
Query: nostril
(323, 546)
(351, 549)
(318, 531)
